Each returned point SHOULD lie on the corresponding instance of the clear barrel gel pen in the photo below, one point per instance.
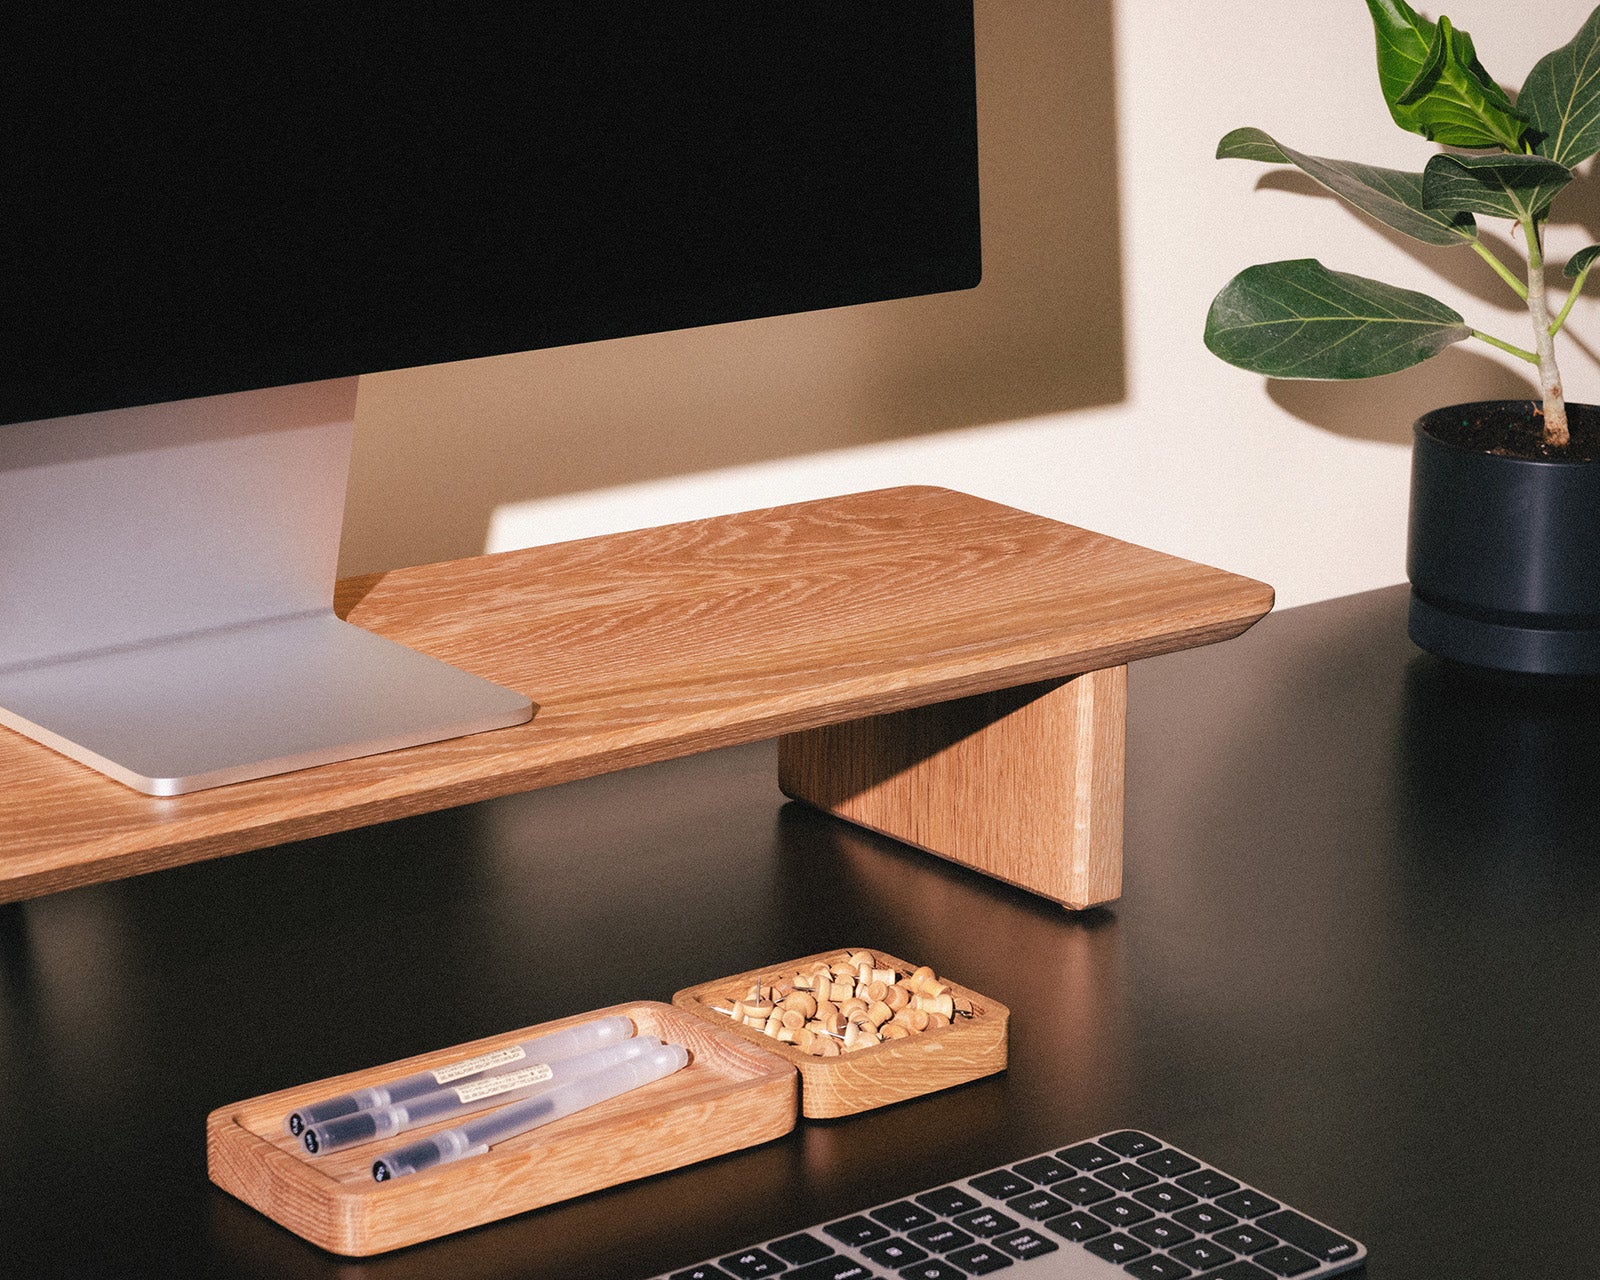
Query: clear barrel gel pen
(448, 1101)
(480, 1133)
(547, 1048)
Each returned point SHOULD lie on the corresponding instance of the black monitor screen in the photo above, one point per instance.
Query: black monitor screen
(302, 192)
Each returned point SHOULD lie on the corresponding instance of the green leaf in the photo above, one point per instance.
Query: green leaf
(1299, 320)
(1562, 97)
(1580, 262)
(1435, 85)
(1392, 197)
(1432, 65)
(1519, 187)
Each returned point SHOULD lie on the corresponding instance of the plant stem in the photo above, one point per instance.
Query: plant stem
(1531, 357)
(1555, 405)
(1572, 297)
(1503, 271)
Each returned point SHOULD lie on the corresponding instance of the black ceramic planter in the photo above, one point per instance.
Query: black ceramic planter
(1504, 556)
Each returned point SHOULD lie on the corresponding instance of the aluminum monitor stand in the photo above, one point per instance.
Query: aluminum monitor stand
(166, 589)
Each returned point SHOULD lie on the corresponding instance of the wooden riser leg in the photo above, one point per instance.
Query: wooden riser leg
(1024, 784)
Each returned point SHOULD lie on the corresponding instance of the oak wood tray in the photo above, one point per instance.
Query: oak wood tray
(859, 611)
(968, 1049)
(732, 1094)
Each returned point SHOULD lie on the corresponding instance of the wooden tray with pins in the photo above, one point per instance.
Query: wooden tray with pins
(740, 1088)
(970, 1043)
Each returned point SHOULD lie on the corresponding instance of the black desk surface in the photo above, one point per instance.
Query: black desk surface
(1356, 962)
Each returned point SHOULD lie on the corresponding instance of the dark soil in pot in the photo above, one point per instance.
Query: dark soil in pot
(1515, 429)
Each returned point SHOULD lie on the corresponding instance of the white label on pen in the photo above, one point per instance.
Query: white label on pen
(471, 1067)
(478, 1090)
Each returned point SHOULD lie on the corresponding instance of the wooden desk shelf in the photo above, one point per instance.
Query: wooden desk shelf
(943, 632)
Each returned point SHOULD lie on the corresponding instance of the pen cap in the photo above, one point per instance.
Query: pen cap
(333, 1108)
(444, 1147)
(341, 1131)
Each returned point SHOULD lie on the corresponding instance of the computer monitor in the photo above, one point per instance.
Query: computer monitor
(214, 226)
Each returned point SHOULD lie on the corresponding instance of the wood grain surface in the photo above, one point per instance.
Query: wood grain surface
(731, 1095)
(644, 646)
(1024, 784)
(862, 1079)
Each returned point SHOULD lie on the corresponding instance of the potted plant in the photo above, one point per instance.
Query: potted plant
(1505, 499)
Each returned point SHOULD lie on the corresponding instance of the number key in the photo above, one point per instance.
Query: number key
(1157, 1268)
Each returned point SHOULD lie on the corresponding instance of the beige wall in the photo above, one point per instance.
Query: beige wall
(1073, 382)
(439, 449)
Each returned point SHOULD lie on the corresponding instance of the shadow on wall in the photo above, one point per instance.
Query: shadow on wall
(1383, 409)
(439, 449)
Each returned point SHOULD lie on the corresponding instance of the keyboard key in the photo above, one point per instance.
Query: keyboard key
(1044, 1170)
(858, 1230)
(947, 1201)
(935, 1269)
(1164, 1197)
(1130, 1142)
(837, 1267)
(1245, 1239)
(1311, 1236)
(1037, 1205)
(894, 1253)
(1205, 1217)
(979, 1259)
(804, 1247)
(752, 1264)
(1247, 1203)
(1121, 1212)
(1117, 1248)
(986, 1222)
(1001, 1184)
(1243, 1269)
(703, 1272)
(902, 1215)
(1286, 1260)
(1168, 1163)
(1125, 1177)
(1158, 1269)
(942, 1237)
(1077, 1226)
(1160, 1233)
(1027, 1243)
(1201, 1254)
(1086, 1157)
(1082, 1191)
(1207, 1183)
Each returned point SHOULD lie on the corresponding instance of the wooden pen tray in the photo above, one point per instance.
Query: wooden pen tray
(972, 1046)
(740, 1088)
(732, 1094)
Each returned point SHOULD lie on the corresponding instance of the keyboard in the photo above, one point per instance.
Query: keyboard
(1123, 1204)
